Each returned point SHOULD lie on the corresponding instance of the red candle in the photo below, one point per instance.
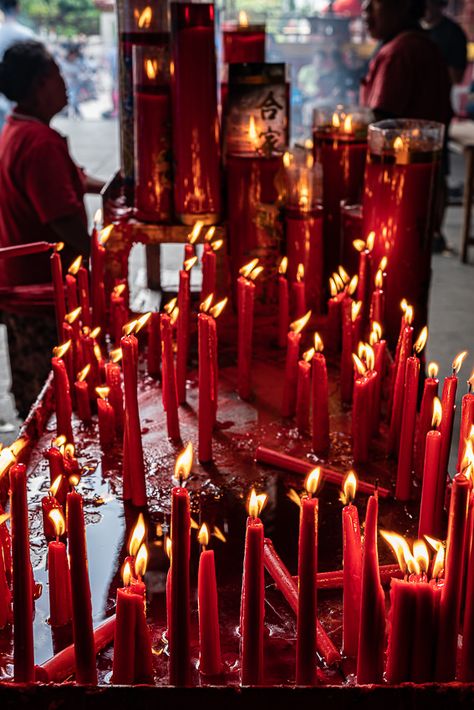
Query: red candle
(71, 292)
(81, 389)
(23, 648)
(307, 594)
(56, 463)
(283, 303)
(113, 379)
(154, 345)
(245, 313)
(430, 516)
(99, 238)
(58, 286)
(380, 359)
(119, 313)
(182, 335)
(243, 42)
(83, 289)
(5, 595)
(210, 662)
(71, 356)
(58, 574)
(196, 139)
(364, 274)
(362, 412)
(253, 599)
(400, 643)
(467, 422)
(83, 632)
(179, 622)
(90, 358)
(398, 391)
(134, 466)
(407, 433)
(62, 395)
(48, 504)
(335, 315)
(206, 332)
(298, 293)
(372, 609)
(168, 375)
(106, 417)
(352, 569)
(350, 323)
(303, 392)
(430, 391)
(209, 263)
(304, 246)
(450, 603)
(123, 672)
(466, 674)
(320, 399)
(377, 303)
(291, 366)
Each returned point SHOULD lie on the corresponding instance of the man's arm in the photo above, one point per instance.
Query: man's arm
(72, 231)
(93, 185)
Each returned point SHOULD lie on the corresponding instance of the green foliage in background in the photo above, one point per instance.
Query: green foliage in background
(65, 17)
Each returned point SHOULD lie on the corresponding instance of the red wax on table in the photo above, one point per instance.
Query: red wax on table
(252, 606)
(209, 264)
(398, 391)
(430, 391)
(123, 672)
(403, 600)
(182, 334)
(243, 43)
(59, 584)
(304, 245)
(370, 656)
(81, 389)
(352, 570)
(179, 622)
(348, 346)
(303, 395)
(23, 648)
(207, 380)
(134, 468)
(307, 595)
(106, 417)
(466, 673)
(448, 405)
(291, 374)
(113, 380)
(430, 516)
(210, 662)
(467, 422)
(62, 399)
(84, 301)
(245, 313)
(154, 345)
(283, 310)
(152, 129)
(196, 139)
(86, 672)
(407, 434)
(58, 285)
(450, 603)
(320, 404)
(168, 378)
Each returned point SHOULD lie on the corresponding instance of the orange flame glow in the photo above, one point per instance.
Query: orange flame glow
(421, 340)
(399, 545)
(246, 270)
(308, 355)
(170, 306)
(54, 487)
(421, 555)
(116, 355)
(57, 518)
(206, 304)
(298, 325)
(336, 121)
(433, 369)
(348, 492)
(358, 244)
(318, 343)
(243, 19)
(256, 503)
(62, 349)
(379, 279)
(347, 127)
(283, 266)
(255, 273)
(311, 483)
(141, 561)
(355, 310)
(126, 574)
(252, 132)
(184, 462)
(215, 246)
(75, 266)
(189, 263)
(102, 392)
(437, 413)
(343, 274)
(137, 536)
(73, 315)
(81, 376)
(105, 233)
(300, 273)
(144, 18)
(203, 535)
(358, 364)
(332, 288)
(409, 315)
(353, 283)
(216, 310)
(193, 236)
(151, 68)
(458, 361)
(438, 563)
(142, 321)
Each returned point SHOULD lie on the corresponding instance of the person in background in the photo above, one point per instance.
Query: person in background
(10, 31)
(41, 199)
(449, 37)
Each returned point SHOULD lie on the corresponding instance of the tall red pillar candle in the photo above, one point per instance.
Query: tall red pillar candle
(210, 661)
(84, 300)
(399, 386)
(168, 378)
(293, 340)
(97, 276)
(245, 314)
(283, 303)
(428, 522)
(113, 380)
(182, 334)
(425, 631)
(154, 345)
(179, 622)
(58, 286)
(466, 673)
(364, 274)
(303, 391)
(135, 464)
(243, 42)
(377, 302)
(450, 603)
(430, 391)
(370, 656)
(23, 648)
(62, 399)
(49, 503)
(84, 650)
(467, 422)
(307, 591)
(196, 141)
(106, 419)
(252, 602)
(71, 356)
(407, 433)
(319, 399)
(352, 569)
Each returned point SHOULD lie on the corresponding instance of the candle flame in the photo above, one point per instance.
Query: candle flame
(347, 128)
(398, 144)
(73, 315)
(370, 241)
(189, 263)
(209, 236)
(216, 310)
(105, 233)
(255, 273)
(309, 160)
(300, 273)
(438, 563)
(353, 283)
(311, 483)
(383, 263)
(361, 350)
(308, 355)
(246, 270)
(359, 365)
(116, 355)
(294, 497)
(343, 274)
(141, 560)
(219, 534)
(206, 304)
(102, 392)
(421, 340)
(376, 333)
(318, 343)
(379, 279)
(405, 559)
(151, 68)
(62, 349)
(369, 357)
(252, 132)
(95, 332)
(243, 19)
(59, 246)
(4, 517)
(97, 352)
(358, 244)
(433, 369)
(195, 232)
(54, 487)
(215, 246)
(332, 288)
(298, 325)
(142, 321)
(355, 310)
(283, 266)
(137, 536)
(97, 217)
(129, 327)
(119, 289)
(421, 555)
(144, 18)
(468, 457)
(184, 462)
(59, 441)
(287, 159)
(203, 535)
(338, 281)
(348, 492)
(168, 547)
(336, 121)
(174, 315)
(75, 266)
(81, 376)
(409, 315)
(256, 503)
(458, 361)
(170, 306)
(57, 518)
(126, 574)
(437, 413)
(74, 480)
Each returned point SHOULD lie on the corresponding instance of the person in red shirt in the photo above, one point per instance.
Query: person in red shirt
(41, 199)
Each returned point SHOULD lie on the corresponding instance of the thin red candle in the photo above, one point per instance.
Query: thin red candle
(183, 324)
(58, 575)
(377, 303)
(364, 274)
(334, 320)
(49, 503)
(23, 647)
(430, 391)
(466, 673)
(400, 642)
(209, 264)
(303, 392)
(283, 303)
(450, 603)
(168, 377)
(370, 655)
(307, 588)
(134, 466)
(425, 631)
(288, 407)
(5, 597)
(86, 672)
(154, 345)
(71, 356)
(319, 399)
(71, 292)
(352, 569)
(428, 523)
(398, 391)
(81, 389)
(362, 413)
(304, 246)
(350, 317)
(380, 360)
(84, 300)
(113, 380)
(298, 293)
(467, 422)
(58, 286)
(206, 326)
(407, 432)
(252, 600)
(123, 670)
(62, 397)
(210, 661)
(106, 419)
(245, 314)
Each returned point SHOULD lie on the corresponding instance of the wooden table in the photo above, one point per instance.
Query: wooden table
(461, 138)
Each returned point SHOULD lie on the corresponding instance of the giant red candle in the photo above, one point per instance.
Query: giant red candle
(352, 568)
(210, 661)
(243, 42)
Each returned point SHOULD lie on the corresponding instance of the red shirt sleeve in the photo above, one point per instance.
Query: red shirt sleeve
(390, 87)
(51, 181)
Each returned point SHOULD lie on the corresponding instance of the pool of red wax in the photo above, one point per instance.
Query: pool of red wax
(218, 492)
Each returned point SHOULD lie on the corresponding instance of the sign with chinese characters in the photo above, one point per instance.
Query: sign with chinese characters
(256, 115)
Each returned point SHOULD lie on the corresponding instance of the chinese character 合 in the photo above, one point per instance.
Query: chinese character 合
(269, 107)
